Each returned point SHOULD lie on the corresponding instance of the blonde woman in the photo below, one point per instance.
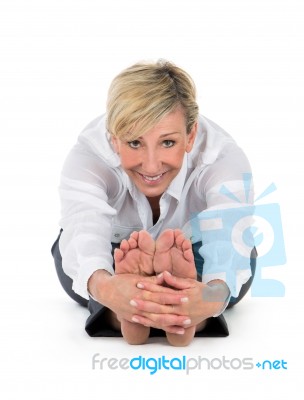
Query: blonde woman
(133, 190)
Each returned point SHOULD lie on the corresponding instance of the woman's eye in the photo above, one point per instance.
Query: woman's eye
(168, 143)
(134, 144)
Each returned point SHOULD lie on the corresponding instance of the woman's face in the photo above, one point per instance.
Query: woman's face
(153, 160)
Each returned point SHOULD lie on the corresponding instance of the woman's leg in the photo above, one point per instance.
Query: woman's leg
(65, 280)
(100, 321)
(199, 263)
(217, 326)
(247, 285)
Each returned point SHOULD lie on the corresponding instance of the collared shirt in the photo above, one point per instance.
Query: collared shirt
(210, 200)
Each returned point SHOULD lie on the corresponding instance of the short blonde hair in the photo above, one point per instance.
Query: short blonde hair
(144, 93)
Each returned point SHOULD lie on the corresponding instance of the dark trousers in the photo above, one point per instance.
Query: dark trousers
(96, 324)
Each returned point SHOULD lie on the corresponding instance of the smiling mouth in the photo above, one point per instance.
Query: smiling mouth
(151, 179)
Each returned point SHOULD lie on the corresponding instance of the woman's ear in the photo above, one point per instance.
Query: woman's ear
(115, 143)
(191, 138)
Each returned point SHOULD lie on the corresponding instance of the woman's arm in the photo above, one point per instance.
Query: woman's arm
(224, 226)
(86, 216)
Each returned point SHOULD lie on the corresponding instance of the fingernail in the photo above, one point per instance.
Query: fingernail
(160, 275)
(133, 303)
(184, 299)
(187, 322)
(167, 272)
(181, 332)
(140, 286)
(134, 319)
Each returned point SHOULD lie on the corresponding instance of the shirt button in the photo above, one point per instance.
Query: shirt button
(116, 235)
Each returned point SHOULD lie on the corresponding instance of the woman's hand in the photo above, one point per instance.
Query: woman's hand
(116, 292)
(204, 301)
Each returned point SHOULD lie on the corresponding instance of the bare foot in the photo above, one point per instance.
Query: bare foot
(135, 256)
(173, 253)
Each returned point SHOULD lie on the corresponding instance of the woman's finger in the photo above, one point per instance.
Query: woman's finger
(162, 321)
(154, 307)
(147, 322)
(178, 283)
(154, 288)
(162, 298)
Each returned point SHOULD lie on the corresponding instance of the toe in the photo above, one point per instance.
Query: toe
(165, 241)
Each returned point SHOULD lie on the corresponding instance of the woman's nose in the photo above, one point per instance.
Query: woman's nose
(151, 163)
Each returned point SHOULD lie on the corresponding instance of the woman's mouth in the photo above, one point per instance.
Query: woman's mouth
(152, 180)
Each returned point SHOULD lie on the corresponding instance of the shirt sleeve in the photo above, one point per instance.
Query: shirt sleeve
(86, 216)
(225, 226)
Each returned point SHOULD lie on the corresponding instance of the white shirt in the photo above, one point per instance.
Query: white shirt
(100, 205)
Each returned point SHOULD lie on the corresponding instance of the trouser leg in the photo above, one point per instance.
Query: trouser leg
(247, 285)
(96, 324)
(64, 279)
(217, 326)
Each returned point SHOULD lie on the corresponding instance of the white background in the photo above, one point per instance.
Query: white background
(57, 58)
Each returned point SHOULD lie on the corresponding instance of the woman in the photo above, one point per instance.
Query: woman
(136, 188)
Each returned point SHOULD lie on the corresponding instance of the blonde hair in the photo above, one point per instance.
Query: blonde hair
(144, 93)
